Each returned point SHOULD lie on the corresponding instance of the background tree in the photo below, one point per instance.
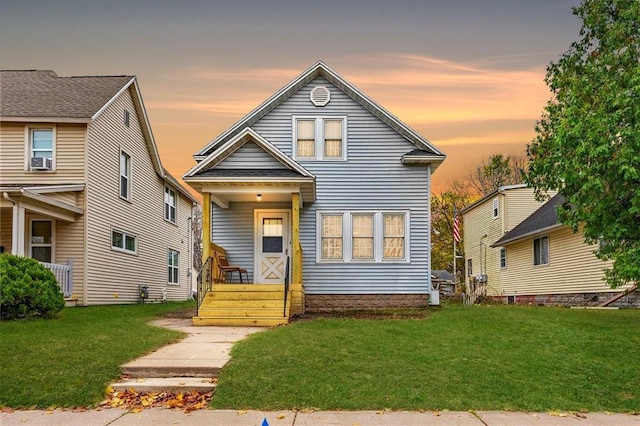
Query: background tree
(496, 171)
(457, 196)
(588, 139)
(196, 224)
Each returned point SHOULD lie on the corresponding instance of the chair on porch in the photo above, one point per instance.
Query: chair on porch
(225, 269)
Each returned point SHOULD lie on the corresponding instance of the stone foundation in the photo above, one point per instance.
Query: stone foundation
(341, 302)
(631, 300)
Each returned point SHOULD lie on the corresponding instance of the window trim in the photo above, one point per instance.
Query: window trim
(469, 267)
(52, 245)
(319, 137)
(175, 206)
(124, 241)
(502, 258)
(378, 236)
(534, 251)
(496, 208)
(175, 268)
(129, 178)
(28, 145)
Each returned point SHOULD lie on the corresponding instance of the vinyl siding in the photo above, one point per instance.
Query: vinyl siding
(69, 148)
(6, 224)
(372, 178)
(515, 205)
(112, 276)
(68, 197)
(251, 156)
(572, 268)
(233, 230)
(70, 244)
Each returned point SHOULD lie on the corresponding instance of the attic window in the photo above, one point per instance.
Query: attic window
(320, 96)
(126, 118)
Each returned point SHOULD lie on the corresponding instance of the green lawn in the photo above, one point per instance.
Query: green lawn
(459, 358)
(70, 360)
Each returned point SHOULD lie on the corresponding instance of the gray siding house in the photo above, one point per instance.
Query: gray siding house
(321, 187)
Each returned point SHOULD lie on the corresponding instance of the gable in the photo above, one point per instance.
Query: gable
(250, 156)
(321, 70)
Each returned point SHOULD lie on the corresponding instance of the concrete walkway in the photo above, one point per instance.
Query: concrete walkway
(190, 364)
(159, 416)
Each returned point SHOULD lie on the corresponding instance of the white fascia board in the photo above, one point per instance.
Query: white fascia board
(52, 202)
(56, 188)
(256, 138)
(113, 98)
(270, 179)
(253, 189)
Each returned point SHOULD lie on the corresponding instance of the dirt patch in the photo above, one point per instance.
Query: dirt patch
(186, 313)
(368, 314)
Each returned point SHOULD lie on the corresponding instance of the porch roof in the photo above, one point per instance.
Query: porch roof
(30, 199)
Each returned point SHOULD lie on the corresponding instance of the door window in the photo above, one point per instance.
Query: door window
(272, 236)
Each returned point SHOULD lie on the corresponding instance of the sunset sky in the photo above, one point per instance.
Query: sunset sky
(466, 74)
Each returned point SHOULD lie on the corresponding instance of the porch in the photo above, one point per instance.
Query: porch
(42, 222)
(274, 291)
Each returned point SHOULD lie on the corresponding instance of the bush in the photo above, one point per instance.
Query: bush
(27, 289)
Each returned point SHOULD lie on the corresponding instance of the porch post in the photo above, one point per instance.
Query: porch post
(206, 226)
(297, 290)
(18, 230)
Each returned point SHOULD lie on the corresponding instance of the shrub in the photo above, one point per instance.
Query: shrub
(27, 289)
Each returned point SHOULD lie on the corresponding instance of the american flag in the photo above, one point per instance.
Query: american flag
(456, 229)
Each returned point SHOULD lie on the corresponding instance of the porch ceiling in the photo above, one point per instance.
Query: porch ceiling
(41, 204)
(223, 194)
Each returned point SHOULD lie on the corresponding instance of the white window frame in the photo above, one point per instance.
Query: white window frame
(168, 191)
(496, 208)
(28, 145)
(469, 267)
(120, 175)
(502, 258)
(319, 137)
(173, 269)
(534, 251)
(53, 237)
(125, 234)
(378, 236)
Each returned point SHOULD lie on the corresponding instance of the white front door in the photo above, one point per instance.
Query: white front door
(271, 246)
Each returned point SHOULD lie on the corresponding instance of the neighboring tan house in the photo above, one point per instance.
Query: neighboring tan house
(322, 187)
(82, 189)
(545, 262)
(485, 222)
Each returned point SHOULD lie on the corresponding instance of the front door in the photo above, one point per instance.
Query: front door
(271, 246)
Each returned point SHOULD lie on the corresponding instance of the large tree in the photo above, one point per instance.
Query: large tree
(496, 171)
(588, 139)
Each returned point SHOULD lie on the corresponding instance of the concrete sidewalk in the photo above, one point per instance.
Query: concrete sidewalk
(159, 416)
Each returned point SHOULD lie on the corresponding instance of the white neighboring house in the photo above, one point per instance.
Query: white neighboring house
(83, 190)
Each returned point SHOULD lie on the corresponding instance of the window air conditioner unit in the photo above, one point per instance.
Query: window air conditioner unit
(40, 163)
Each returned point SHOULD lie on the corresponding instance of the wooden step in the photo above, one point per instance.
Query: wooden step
(239, 312)
(244, 295)
(243, 303)
(248, 287)
(241, 322)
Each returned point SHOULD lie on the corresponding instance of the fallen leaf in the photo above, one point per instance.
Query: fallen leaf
(242, 412)
(280, 417)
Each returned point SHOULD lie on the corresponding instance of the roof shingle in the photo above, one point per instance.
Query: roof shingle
(41, 93)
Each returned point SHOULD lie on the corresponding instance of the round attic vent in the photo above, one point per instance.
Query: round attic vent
(320, 96)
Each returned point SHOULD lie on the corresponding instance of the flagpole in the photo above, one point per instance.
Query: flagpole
(455, 276)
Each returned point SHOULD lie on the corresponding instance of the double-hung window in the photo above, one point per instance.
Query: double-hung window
(363, 236)
(40, 148)
(123, 241)
(331, 236)
(170, 204)
(541, 251)
(125, 175)
(320, 138)
(174, 266)
(496, 208)
(503, 258)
